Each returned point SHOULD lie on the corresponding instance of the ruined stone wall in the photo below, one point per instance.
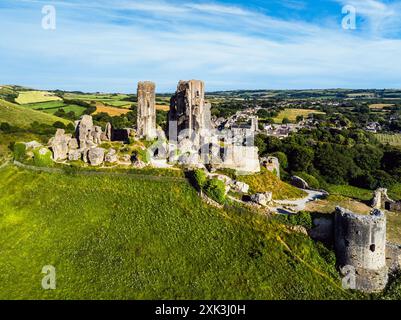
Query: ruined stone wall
(240, 158)
(382, 201)
(146, 119)
(188, 107)
(360, 242)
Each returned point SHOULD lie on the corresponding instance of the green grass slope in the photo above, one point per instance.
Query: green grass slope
(23, 117)
(128, 237)
(266, 181)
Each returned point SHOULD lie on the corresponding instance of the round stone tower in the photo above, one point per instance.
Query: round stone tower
(360, 244)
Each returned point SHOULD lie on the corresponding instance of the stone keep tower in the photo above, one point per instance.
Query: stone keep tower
(360, 242)
(146, 121)
(188, 107)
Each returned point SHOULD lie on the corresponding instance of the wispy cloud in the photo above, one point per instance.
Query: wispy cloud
(383, 18)
(104, 46)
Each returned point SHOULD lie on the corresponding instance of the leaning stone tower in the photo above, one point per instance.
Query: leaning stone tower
(360, 243)
(146, 120)
(188, 107)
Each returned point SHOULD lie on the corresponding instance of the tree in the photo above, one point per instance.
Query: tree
(286, 121)
(216, 190)
(273, 144)
(263, 113)
(300, 119)
(5, 127)
(299, 157)
(59, 125)
(367, 157)
(260, 142)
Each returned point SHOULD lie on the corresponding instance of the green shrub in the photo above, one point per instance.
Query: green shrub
(302, 218)
(216, 190)
(5, 127)
(59, 125)
(19, 151)
(142, 155)
(42, 157)
(70, 128)
(200, 178)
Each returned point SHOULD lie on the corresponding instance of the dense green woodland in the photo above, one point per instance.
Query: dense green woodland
(333, 156)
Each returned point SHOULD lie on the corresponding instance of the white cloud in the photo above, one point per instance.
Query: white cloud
(213, 8)
(251, 50)
(383, 18)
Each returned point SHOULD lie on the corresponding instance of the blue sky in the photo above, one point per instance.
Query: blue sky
(102, 45)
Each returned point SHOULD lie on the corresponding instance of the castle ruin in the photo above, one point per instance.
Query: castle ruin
(188, 107)
(360, 245)
(146, 119)
(382, 201)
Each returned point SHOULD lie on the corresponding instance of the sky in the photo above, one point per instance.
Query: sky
(110, 45)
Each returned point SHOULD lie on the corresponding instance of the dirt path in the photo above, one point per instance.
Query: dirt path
(297, 205)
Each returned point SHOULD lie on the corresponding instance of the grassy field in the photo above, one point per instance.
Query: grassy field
(292, 114)
(112, 111)
(112, 100)
(131, 238)
(27, 97)
(351, 192)
(78, 110)
(162, 107)
(268, 182)
(53, 106)
(23, 117)
(395, 191)
(391, 139)
(45, 105)
(380, 106)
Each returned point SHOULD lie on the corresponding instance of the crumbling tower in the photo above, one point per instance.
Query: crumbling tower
(146, 120)
(188, 107)
(360, 244)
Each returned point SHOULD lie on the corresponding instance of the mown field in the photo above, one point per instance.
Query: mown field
(27, 97)
(127, 237)
(391, 139)
(112, 111)
(292, 114)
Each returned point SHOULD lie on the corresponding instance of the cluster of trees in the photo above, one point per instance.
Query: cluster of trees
(37, 128)
(337, 157)
(118, 122)
(227, 109)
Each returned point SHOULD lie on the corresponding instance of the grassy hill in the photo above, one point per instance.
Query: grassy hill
(269, 182)
(22, 117)
(27, 97)
(131, 237)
